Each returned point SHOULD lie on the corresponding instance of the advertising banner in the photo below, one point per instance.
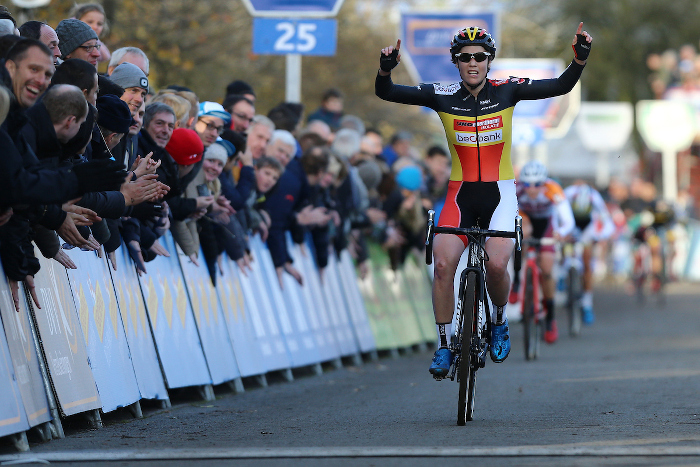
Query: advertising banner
(137, 328)
(62, 340)
(419, 289)
(108, 351)
(172, 321)
(210, 320)
(259, 302)
(426, 41)
(338, 309)
(13, 418)
(22, 351)
(300, 343)
(244, 326)
(356, 307)
(311, 300)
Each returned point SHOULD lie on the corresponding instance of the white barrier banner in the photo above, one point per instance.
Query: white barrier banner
(172, 321)
(358, 314)
(300, 343)
(62, 339)
(244, 325)
(210, 320)
(13, 418)
(138, 330)
(338, 308)
(108, 351)
(314, 303)
(25, 362)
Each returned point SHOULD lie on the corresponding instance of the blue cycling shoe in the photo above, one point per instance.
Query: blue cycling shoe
(587, 317)
(500, 342)
(441, 362)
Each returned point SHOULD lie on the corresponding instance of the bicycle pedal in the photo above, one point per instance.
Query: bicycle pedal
(438, 377)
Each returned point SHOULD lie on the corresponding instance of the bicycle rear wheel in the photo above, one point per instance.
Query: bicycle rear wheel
(531, 333)
(466, 371)
(573, 301)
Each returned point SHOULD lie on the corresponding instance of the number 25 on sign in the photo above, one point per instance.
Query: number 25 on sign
(280, 36)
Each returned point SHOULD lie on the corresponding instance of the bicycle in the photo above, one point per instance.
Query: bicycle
(533, 313)
(573, 268)
(474, 332)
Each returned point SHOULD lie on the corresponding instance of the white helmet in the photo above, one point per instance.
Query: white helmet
(582, 201)
(533, 173)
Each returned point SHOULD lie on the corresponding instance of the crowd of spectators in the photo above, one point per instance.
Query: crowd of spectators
(103, 161)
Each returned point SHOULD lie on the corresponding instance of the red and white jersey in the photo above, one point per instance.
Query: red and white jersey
(551, 203)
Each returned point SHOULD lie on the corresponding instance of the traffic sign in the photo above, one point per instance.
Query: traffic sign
(294, 8)
(281, 36)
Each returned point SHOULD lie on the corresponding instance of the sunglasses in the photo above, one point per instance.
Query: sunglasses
(528, 185)
(466, 57)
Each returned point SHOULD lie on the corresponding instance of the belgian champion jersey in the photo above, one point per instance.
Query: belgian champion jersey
(479, 130)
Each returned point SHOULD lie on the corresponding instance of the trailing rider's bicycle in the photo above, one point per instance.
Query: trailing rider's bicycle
(473, 317)
(533, 313)
(572, 269)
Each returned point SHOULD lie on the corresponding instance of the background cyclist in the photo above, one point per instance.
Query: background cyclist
(547, 214)
(477, 118)
(593, 224)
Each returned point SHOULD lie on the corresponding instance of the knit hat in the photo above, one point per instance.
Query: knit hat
(214, 109)
(370, 173)
(217, 151)
(409, 178)
(228, 145)
(72, 33)
(128, 75)
(185, 146)
(113, 114)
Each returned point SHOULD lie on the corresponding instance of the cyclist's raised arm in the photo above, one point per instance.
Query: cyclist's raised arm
(543, 88)
(385, 88)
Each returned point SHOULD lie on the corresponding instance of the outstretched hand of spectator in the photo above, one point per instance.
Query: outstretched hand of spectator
(313, 216)
(29, 284)
(69, 233)
(143, 189)
(159, 249)
(63, 259)
(292, 271)
(5, 216)
(112, 256)
(135, 252)
(145, 166)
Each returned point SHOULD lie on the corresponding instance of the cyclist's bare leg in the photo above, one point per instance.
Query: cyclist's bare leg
(447, 251)
(499, 251)
(546, 264)
(587, 268)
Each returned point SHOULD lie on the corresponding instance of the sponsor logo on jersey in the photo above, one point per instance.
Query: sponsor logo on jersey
(517, 80)
(463, 110)
(483, 125)
(498, 82)
(486, 137)
(487, 101)
(446, 90)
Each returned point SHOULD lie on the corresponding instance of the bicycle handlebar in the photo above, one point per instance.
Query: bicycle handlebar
(433, 229)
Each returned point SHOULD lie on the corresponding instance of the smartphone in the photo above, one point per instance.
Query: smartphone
(203, 190)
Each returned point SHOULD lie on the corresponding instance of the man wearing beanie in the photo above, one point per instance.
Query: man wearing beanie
(135, 84)
(78, 40)
(113, 120)
(186, 149)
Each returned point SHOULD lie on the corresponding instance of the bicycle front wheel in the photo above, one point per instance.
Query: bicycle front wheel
(573, 301)
(466, 371)
(531, 333)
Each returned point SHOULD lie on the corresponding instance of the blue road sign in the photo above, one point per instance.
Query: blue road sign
(426, 41)
(296, 8)
(281, 36)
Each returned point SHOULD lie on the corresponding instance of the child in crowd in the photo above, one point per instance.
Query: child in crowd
(94, 15)
(267, 171)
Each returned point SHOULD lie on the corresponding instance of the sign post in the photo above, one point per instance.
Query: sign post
(604, 127)
(294, 28)
(667, 126)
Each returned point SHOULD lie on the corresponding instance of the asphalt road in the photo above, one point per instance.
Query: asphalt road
(625, 392)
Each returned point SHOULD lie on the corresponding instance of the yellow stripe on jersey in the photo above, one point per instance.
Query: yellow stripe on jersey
(480, 150)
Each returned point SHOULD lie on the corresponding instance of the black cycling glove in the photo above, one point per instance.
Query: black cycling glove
(582, 47)
(389, 62)
(99, 175)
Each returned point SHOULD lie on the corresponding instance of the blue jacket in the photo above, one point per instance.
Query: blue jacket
(290, 195)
